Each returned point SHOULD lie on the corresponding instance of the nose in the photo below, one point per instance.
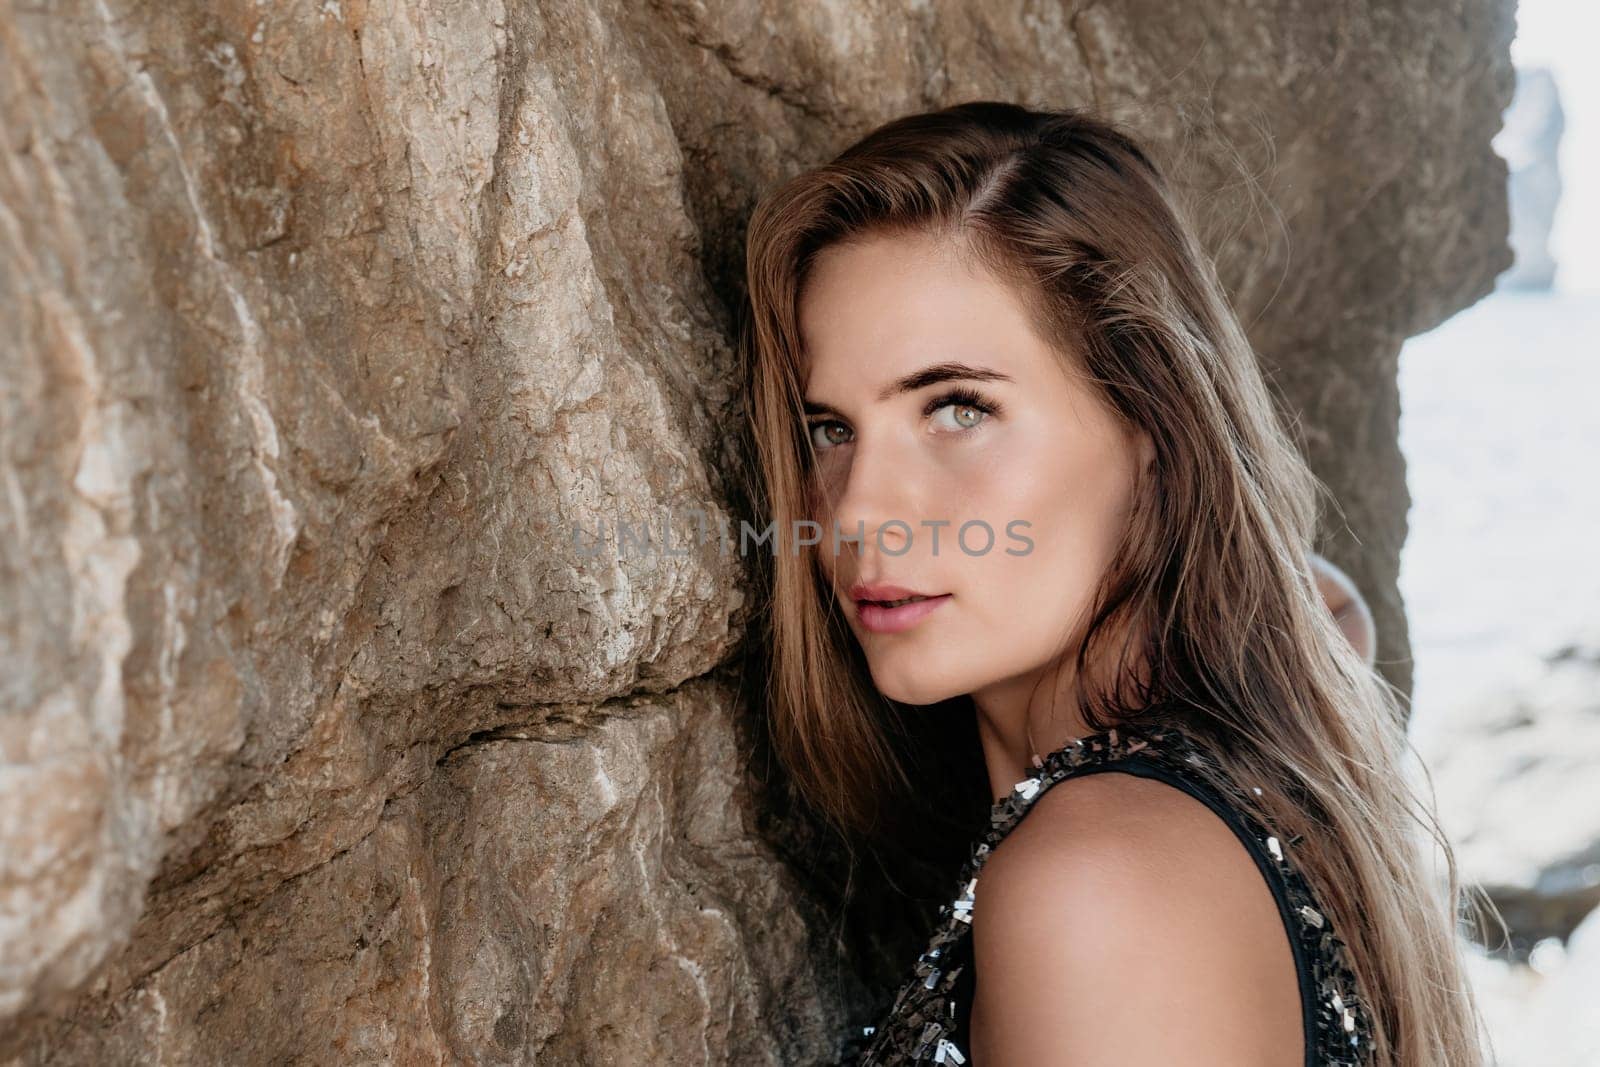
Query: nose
(877, 504)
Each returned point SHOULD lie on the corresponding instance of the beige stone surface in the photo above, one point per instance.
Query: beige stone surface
(325, 323)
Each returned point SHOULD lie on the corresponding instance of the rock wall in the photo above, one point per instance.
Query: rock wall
(328, 323)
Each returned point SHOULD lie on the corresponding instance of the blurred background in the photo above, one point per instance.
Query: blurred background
(1499, 572)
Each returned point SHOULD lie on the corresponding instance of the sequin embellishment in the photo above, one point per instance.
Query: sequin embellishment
(921, 1025)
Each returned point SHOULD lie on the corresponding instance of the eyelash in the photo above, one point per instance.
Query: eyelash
(963, 397)
(960, 396)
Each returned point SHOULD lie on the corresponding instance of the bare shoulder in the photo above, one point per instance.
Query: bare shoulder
(1122, 921)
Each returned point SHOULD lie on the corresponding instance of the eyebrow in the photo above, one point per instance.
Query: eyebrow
(932, 374)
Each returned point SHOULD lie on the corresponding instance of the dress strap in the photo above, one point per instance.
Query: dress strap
(930, 1016)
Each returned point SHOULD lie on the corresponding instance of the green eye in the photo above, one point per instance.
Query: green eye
(965, 416)
(969, 410)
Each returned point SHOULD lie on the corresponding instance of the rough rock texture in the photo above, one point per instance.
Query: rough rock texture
(321, 740)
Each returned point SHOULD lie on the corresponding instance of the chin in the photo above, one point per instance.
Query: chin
(916, 691)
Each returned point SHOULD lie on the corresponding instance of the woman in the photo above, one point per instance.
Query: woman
(989, 361)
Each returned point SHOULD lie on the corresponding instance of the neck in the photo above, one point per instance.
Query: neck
(1016, 721)
(1032, 713)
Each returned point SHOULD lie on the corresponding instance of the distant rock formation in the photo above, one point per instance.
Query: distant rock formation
(1530, 142)
(1526, 821)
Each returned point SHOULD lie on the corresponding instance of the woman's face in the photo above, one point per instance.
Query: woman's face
(1024, 447)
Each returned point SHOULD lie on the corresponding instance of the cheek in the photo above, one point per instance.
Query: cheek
(1023, 607)
(1073, 493)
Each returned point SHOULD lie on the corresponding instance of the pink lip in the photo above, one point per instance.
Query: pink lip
(882, 591)
(885, 620)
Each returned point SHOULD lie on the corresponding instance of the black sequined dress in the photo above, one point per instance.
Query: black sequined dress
(928, 1021)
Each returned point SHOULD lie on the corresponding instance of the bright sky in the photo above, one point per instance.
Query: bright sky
(1562, 35)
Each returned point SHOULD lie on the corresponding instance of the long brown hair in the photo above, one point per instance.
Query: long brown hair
(1214, 576)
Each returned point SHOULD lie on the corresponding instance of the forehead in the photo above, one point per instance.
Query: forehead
(889, 304)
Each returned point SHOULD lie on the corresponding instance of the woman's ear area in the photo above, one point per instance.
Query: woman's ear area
(1146, 447)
